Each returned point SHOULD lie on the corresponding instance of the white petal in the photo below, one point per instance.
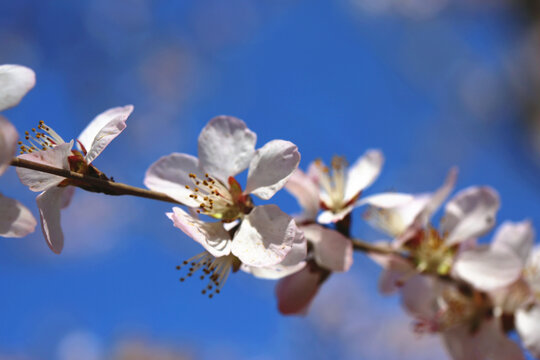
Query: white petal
(295, 292)
(329, 217)
(363, 173)
(55, 157)
(265, 236)
(103, 129)
(332, 250)
(518, 237)
(211, 235)
(170, 175)
(419, 296)
(8, 143)
(528, 328)
(15, 82)
(293, 262)
(226, 147)
(270, 168)
(488, 269)
(471, 213)
(396, 271)
(387, 200)
(49, 203)
(438, 197)
(306, 191)
(15, 219)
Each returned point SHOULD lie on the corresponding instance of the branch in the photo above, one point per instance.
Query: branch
(366, 247)
(103, 186)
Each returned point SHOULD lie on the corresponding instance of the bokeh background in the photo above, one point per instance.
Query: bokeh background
(433, 83)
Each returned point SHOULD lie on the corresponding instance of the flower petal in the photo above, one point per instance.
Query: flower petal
(15, 82)
(518, 237)
(226, 147)
(419, 296)
(487, 268)
(56, 157)
(211, 235)
(8, 143)
(437, 198)
(170, 175)
(49, 203)
(265, 236)
(332, 250)
(306, 191)
(270, 168)
(15, 219)
(363, 173)
(295, 292)
(103, 129)
(471, 213)
(528, 328)
(396, 271)
(293, 262)
(329, 217)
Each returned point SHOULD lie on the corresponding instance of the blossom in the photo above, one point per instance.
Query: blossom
(45, 146)
(335, 190)
(247, 236)
(15, 81)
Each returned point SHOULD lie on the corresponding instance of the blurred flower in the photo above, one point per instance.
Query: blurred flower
(45, 146)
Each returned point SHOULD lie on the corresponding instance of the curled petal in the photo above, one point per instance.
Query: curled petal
(211, 235)
(516, 237)
(49, 203)
(265, 236)
(306, 191)
(295, 292)
(488, 269)
(437, 198)
(270, 168)
(8, 143)
(170, 175)
(103, 129)
(332, 250)
(15, 82)
(226, 147)
(15, 219)
(363, 173)
(471, 213)
(528, 328)
(55, 157)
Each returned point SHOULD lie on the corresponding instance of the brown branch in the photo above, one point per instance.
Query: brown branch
(98, 185)
(366, 247)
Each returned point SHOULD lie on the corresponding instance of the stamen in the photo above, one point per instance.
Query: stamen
(217, 270)
(47, 139)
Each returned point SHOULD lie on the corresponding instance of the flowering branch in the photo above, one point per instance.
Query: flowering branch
(107, 187)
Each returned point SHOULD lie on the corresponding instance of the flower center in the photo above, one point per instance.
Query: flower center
(43, 138)
(216, 200)
(217, 271)
(430, 253)
(333, 182)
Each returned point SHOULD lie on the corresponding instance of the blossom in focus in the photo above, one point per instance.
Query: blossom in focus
(45, 146)
(15, 81)
(244, 235)
(334, 190)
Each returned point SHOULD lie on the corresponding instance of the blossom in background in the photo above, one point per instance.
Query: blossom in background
(15, 81)
(334, 190)
(45, 146)
(245, 235)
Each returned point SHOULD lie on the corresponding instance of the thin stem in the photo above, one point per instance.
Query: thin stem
(97, 185)
(366, 247)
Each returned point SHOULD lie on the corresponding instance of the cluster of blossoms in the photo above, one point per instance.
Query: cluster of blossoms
(472, 294)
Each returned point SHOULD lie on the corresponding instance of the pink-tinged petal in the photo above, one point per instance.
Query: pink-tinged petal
(488, 269)
(419, 296)
(306, 191)
(49, 203)
(8, 143)
(363, 173)
(528, 328)
(438, 197)
(329, 217)
(533, 269)
(396, 272)
(332, 250)
(293, 262)
(226, 147)
(471, 213)
(103, 129)
(517, 237)
(55, 157)
(295, 292)
(211, 235)
(170, 175)
(271, 167)
(15, 82)
(15, 219)
(265, 236)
